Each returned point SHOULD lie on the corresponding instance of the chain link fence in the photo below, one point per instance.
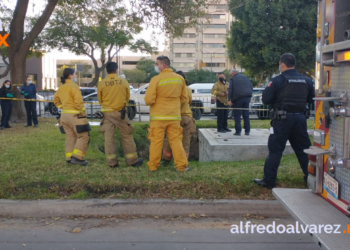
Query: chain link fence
(137, 110)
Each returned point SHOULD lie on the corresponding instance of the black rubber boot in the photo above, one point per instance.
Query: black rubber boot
(78, 162)
(138, 163)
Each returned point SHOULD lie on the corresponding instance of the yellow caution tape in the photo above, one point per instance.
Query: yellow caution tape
(132, 105)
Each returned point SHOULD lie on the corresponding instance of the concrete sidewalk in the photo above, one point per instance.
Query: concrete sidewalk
(144, 234)
(151, 207)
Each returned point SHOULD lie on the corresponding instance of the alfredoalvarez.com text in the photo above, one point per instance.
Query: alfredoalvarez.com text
(297, 228)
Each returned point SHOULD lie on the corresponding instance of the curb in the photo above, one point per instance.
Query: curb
(150, 207)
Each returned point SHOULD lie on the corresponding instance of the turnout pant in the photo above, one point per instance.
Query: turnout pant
(6, 110)
(188, 128)
(110, 121)
(294, 129)
(221, 115)
(242, 103)
(31, 112)
(76, 141)
(156, 132)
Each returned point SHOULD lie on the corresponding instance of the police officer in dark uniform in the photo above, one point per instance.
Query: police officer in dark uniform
(288, 94)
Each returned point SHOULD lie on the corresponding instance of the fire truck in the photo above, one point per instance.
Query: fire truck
(327, 201)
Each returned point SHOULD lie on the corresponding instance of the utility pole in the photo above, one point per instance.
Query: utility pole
(211, 64)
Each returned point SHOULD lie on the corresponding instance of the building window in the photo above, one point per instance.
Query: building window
(214, 55)
(188, 55)
(221, 7)
(214, 35)
(130, 62)
(214, 26)
(215, 65)
(186, 64)
(213, 45)
(189, 35)
(184, 45)
(215, 16)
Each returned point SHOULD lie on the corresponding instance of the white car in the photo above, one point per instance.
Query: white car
(92, 106)
(139, 98)
(132, 89)
(202, 98)
(40, 106)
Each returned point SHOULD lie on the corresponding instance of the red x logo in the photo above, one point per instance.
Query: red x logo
(3, 40)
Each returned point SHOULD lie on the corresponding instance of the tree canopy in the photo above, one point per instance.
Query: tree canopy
(147, 65)
(172, 16)
(135, 76)
(266, 29)
(201, 76)
(108, 28)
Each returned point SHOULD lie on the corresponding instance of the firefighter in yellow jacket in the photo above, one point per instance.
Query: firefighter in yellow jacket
(187, 123)
(73, 120)
(114, 94)
(164, 95)
(220, 91)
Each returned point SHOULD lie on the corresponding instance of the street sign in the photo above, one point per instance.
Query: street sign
(79, 67)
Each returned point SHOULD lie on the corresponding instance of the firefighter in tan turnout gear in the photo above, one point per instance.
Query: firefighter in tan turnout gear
(114, 94)
(73, 120)
(164, 95)
(220, 91)
(187, 123)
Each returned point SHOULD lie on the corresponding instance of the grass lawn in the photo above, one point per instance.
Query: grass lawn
(32, 166)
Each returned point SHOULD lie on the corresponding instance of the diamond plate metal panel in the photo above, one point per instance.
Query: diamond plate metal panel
(336, 135)
(309, 209)
(340, 81)
(342, 175)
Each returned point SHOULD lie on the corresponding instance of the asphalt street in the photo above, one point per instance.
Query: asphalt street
(143, 233)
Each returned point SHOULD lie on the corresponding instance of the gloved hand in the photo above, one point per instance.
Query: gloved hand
(25, 94)
(8, 95)
(99, 115)
(22, 92)
(82, 114)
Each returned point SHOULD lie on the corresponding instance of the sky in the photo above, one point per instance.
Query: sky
(65, 54)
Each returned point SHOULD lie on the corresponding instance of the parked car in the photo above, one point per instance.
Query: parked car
(93, 106)
(256, 91)
(202, 98)
(198, 100)
(138, 97)
(40, 106)
(259, 108)
(84, 92)
(132, 89)
(262, 110)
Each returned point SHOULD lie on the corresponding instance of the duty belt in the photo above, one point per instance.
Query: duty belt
(276, 114)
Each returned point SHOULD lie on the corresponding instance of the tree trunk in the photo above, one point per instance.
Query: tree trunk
(19, 46)
(96, 79)
(18, 76)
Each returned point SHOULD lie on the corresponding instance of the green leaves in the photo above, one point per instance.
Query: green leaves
(264, 30)
(135, 76)
(201, 76)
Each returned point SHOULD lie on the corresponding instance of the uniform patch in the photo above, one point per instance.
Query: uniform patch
(270, 84)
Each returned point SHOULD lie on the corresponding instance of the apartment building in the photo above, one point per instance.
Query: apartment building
(203, 47)
(43, 71)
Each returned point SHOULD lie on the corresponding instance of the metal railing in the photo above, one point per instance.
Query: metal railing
(200, 106)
